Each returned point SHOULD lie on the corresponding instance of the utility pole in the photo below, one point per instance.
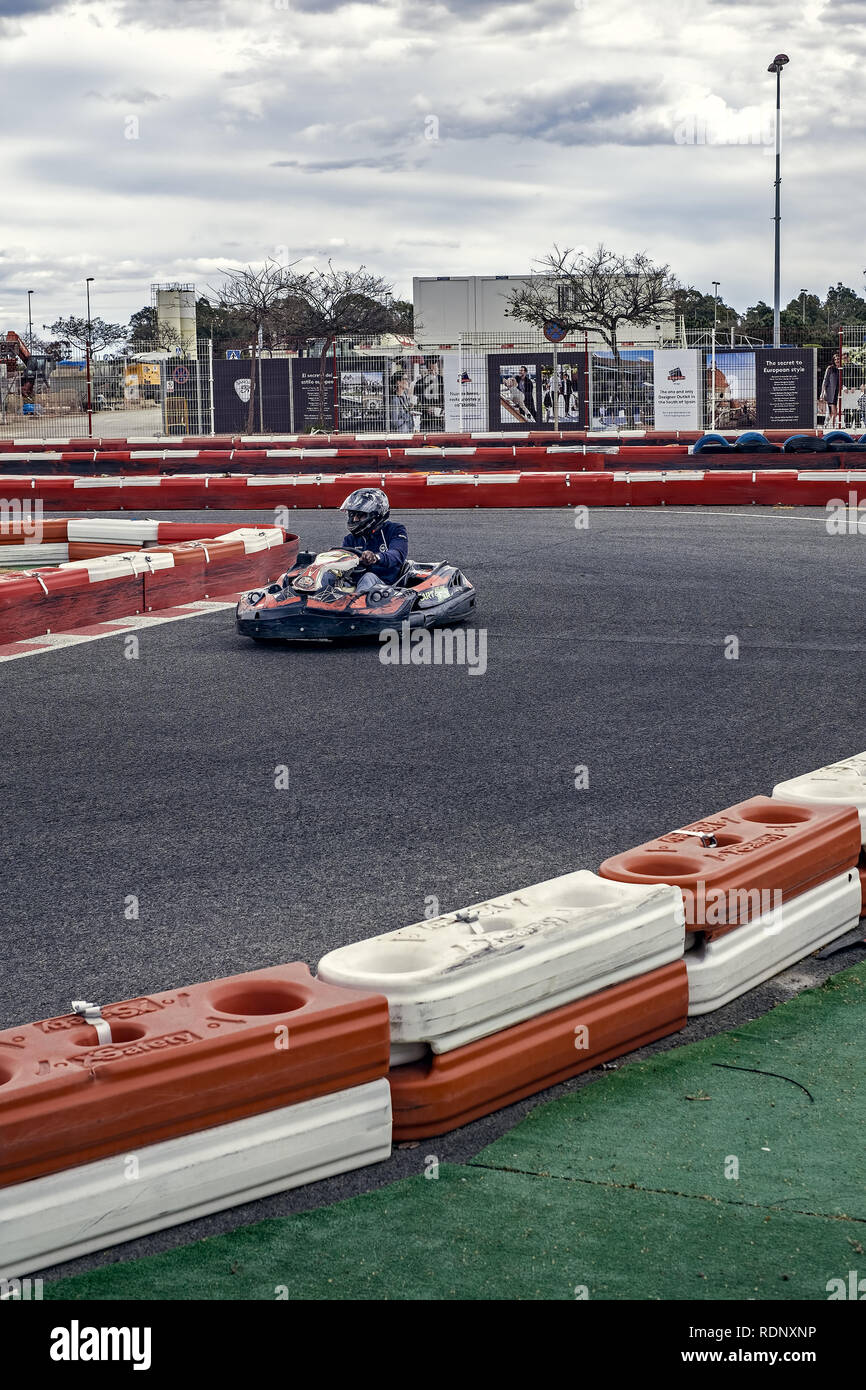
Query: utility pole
(30, 294)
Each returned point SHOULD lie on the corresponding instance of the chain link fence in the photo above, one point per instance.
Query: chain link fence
(140, 392)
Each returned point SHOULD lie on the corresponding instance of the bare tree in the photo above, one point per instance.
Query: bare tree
(75, 332)
(259, 298)
(327, 303)
(596, 292)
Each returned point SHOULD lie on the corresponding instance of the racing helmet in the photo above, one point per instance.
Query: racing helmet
(366, 508)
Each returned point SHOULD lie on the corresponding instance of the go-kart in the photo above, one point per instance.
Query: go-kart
(317, 599)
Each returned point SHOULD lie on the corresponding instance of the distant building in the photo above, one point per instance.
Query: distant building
(448, 306)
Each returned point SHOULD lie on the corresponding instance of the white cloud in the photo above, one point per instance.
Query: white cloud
(168, 139)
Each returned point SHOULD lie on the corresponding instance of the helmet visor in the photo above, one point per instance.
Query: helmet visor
(359, 522)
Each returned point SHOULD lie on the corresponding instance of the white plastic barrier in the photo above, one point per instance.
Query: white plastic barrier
(721, 970)
(843, 783)
(111, 528)
(255, 537)
(122, 566)
(58, 1217)
(34, 554)
(470, 973)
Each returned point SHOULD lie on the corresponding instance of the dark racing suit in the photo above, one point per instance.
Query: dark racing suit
(390, 542)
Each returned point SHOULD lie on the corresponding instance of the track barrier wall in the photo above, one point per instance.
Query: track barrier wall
(833, 451)
(445, 1090)
(458, 977)
(618, 488)
(126, 581)
(181, 1061)
(731, 859)
(232, 1089)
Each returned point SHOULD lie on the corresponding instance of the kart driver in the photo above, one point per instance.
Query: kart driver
(383, 544)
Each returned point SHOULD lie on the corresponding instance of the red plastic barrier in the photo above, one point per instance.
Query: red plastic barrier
(171, 532)
(230, 569)
(181, 1061)
(508, 488)
(744, 861)
(183, 583)
(93, 550)
(450, 1089)
(63, 599)
(178, 492)
(52, 492)
(50, 531)
(94, 494)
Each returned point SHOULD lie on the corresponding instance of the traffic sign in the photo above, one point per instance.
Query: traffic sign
(554, 331)
(233, 354)
(181, 375)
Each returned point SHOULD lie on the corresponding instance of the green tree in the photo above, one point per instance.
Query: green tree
(142, 328)
(843, 305)
(404, 317)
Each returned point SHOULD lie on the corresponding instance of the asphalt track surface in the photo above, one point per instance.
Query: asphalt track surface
(155, 777)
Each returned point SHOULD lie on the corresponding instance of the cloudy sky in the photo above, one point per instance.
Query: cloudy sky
(165, 139)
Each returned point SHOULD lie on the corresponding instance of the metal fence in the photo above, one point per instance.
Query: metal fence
(852, 400)
(142, 391)
(483, 383)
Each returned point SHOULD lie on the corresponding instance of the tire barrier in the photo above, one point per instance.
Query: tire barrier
(737, 864)
(180, 1061)
(447, 1090)
(92, 586)
(617, 488)
(456, 978)
(721, 970)
(74, 1212)
(843, 783)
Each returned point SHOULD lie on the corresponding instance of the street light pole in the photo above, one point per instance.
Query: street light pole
(776, 66)
(716, 284)
(88, 282)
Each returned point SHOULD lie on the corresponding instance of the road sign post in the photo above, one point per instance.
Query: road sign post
(554, 332)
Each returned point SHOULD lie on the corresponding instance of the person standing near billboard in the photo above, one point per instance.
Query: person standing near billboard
(526, 389)
(830, 392)
(402, 419)
(430, 395)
